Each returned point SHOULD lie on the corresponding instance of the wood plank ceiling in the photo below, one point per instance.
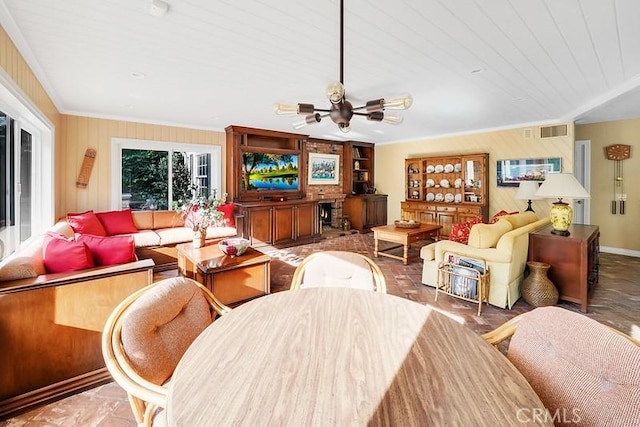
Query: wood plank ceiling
(469, 64)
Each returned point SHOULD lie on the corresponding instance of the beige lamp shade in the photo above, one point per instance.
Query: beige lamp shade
(561, 185)
(527, 191)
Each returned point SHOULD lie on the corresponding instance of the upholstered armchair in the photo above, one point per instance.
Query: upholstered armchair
(147, 334)
(338, 269)
(584, 372)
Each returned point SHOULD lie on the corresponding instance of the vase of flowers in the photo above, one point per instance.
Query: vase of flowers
(200, 213)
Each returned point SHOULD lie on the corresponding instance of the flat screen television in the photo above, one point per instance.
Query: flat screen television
(270, 172)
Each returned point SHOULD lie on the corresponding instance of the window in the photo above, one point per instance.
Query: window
(26, 169)
(159, 175)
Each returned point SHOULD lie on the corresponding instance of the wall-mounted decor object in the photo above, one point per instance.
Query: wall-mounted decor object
(324, 169)
(511, 172)
(85, 169)
(618, 153)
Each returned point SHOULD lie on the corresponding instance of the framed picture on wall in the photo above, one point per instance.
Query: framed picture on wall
(324, 169)
(511, 172)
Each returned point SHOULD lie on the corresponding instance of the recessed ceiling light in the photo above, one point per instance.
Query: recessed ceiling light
(158, 8)
(138, 75)
(477, 70)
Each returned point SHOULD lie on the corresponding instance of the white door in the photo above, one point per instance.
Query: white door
(582, 172)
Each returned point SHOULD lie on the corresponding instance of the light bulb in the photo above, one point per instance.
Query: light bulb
(286, 109)
(310, 119)
(335, 92)
(401, 103)
(392, 119)
(344, 127)
(375, 105)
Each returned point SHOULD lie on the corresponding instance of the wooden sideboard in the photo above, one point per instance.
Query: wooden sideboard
(280, 223)
(366, 211)
(574, 260)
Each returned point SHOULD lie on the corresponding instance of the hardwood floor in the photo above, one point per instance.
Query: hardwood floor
(615, 301)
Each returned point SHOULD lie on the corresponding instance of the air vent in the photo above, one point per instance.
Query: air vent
(527, 133)
(553, 131)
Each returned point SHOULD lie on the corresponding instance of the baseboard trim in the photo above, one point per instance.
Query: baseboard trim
(619, 251)
(24, 402)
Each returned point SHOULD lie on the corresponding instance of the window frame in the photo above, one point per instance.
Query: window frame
(118, 144)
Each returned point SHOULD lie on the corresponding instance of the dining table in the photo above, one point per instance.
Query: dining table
(346, 357)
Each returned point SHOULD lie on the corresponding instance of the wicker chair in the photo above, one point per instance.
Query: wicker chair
(583, 371)
(338, 269)
(147, 334)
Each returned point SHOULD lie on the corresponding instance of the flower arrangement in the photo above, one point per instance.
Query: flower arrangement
(200, 212)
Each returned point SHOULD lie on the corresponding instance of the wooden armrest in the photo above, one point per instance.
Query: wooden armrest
(504, 331)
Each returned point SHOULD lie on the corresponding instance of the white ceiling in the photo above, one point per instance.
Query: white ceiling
(208, 64)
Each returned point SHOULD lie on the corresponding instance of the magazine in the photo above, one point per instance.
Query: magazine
(464, 275)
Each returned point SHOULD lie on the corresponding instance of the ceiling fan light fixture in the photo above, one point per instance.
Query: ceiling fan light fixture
(342, 110)
(393, 119)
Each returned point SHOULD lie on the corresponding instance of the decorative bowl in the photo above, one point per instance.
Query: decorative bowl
(406, 224)
(234, 247)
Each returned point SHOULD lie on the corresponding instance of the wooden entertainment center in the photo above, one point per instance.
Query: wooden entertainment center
(283, 210)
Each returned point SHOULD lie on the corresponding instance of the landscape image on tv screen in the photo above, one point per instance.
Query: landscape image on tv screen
(263, 171)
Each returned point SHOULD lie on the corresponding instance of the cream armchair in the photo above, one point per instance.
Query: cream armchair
(503, 246)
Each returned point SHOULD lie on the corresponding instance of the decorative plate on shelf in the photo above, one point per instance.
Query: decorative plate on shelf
(430, 197)
(457, 167)
(430, 169)
(439, 197)
(448, 168)
(458, 183)
(407, 224)
(458, 198)
(448, 197)
(430, 183)
(439, 168)
(444, 183)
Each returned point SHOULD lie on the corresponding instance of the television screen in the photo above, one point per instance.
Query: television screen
(263, 171)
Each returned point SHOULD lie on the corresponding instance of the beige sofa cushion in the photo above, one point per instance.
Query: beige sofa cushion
(143, 220)
(521, 219)
(146, 238)
(487, 235)
(167, 219)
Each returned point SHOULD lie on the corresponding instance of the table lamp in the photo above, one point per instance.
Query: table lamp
(561, 185)
(527, 191)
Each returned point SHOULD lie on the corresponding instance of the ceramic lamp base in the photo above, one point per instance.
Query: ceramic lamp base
(561, 215)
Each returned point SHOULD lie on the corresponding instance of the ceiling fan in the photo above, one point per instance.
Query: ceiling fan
(341, 110)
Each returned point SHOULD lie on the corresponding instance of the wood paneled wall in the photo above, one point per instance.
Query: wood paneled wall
(520, 143)
(80, 133)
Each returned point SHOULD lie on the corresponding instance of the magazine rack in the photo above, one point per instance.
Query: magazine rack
(465, 278)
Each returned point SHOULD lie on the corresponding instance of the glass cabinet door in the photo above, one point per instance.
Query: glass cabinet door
(475, 179)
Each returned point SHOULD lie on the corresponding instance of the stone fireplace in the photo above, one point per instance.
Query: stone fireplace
(330, 211)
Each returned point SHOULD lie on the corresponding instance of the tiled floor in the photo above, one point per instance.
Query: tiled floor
(615, 301)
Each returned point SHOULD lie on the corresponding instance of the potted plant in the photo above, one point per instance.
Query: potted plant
(200, 213)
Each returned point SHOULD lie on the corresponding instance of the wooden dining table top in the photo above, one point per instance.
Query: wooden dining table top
(342, 357)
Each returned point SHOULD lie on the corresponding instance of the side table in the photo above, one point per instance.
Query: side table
(574, 260)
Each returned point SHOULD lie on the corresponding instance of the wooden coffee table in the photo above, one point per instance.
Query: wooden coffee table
(403, 236)
(232, 280)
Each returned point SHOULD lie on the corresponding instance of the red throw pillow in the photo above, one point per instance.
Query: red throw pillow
(227, 211)
(117, 222)
(460, 232)
(86, 223)
(497, 216)
(60, 255)
(109, 250)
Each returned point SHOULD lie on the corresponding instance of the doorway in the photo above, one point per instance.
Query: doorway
(582, 172)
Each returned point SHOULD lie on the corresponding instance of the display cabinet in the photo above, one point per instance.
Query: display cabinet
(446, 189)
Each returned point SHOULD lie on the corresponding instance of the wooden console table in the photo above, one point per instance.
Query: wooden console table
(574, 260)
